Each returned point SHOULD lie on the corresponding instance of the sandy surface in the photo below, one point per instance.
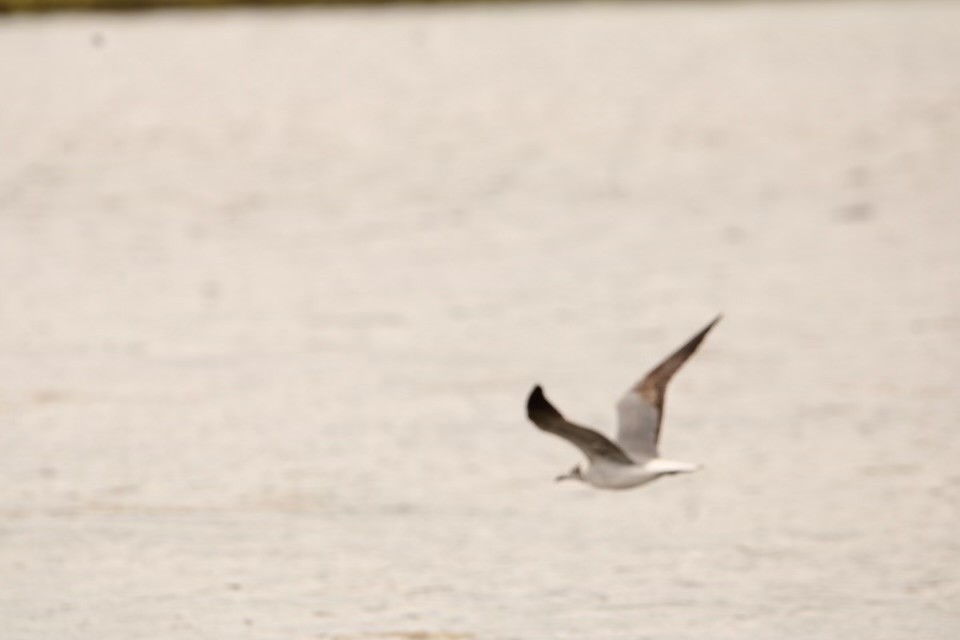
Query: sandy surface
(275, 286)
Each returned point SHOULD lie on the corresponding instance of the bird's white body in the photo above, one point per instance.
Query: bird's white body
(604, 474)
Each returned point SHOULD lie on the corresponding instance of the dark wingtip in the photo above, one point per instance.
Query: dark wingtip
(535, 400)
(654, 384)
(538, 407)
(697, 339)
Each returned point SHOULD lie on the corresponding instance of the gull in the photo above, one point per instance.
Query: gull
(633, 459)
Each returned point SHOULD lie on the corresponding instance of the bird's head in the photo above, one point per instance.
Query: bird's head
(574, 474)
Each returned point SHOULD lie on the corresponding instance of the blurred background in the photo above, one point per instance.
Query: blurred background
(276, 284)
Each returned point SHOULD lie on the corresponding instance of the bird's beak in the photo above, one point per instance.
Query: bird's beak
(562, 476)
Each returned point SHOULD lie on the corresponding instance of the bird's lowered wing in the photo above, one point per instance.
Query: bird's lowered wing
(640, 410)
(594, 445)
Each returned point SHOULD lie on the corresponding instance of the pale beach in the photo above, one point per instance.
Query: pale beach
(276, 284)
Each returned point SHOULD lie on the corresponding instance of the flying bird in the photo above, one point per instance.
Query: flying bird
(632, 459)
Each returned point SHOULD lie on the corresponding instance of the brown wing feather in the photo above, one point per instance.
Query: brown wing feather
(641, 409)
(593, 444)
(653, 387)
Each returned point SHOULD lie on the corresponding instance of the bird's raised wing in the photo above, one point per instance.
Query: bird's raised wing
(594, 445)
(640, 410)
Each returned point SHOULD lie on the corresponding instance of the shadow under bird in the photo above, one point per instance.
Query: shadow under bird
(633, 459)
